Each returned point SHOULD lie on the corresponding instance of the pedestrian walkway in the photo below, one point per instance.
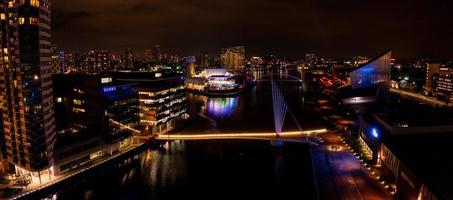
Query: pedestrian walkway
(341, 176)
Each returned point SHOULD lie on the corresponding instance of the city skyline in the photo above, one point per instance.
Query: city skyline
(323, 113)
(415, 29)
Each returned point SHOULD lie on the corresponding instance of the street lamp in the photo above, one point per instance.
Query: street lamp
(375, 133)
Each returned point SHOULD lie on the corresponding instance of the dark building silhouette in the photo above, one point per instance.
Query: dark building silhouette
(88, 109)
(26, 87)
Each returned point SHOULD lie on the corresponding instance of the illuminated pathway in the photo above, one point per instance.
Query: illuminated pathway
(341, 175)
(419, 97)
(122, 126)
(284, 136)
(259, 136)
(27, 194)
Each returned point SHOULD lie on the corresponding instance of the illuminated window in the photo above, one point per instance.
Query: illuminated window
(34, 20)
(59, 99)
(78, 110)
(21, 20)
(10, 4)
(96, 154)
(77, 102)
(78, 90)
(106, 80)
(34, 3)
(2, 16)
(5, 50)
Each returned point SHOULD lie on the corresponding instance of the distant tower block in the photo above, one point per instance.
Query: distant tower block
(190, 69)
(204, 59)
(233, 58)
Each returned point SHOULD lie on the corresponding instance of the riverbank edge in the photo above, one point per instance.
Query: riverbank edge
(221, 94)
(77, 174)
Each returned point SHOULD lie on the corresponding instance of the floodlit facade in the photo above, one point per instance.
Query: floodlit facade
(162, 100)
(374, 72)
(370, 83)
(161, 109)
(26, 87)
(222, 83)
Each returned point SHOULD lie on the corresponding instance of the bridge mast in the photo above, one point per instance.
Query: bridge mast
(279, 107)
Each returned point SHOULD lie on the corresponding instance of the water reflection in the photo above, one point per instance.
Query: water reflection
(218, 168)
(222, 107)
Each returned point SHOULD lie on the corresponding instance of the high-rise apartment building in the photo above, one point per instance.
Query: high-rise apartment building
(233, 58)
(431, 70)
(98, 61)
(157, 56)
(61, 61)
(148, 55)
(444, 85)
(204, 59)
(26, 86)
(129, 59)
(190, 67)
(57, 61)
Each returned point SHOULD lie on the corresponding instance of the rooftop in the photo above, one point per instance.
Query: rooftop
(428, 157)
(403, 112)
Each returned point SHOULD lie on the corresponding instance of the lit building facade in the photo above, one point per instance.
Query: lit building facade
(204, 59)
(129, 59)
(376, 71)
(233, 58)
(370, 83)
(214, 80)
(222, 83)
(190, 67)
(98, 61)
(88, 109)
(58, 61)
(311, 59)
(26, 87)
(431, 70)
(256, 62)
(162, 100)
(444, 85)
(412, 153)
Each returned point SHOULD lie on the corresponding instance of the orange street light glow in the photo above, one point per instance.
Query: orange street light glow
(238, 135)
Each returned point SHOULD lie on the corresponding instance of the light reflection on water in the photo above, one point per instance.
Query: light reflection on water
(222, 107)
(213, 169)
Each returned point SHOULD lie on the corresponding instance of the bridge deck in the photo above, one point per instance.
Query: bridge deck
(293, 136)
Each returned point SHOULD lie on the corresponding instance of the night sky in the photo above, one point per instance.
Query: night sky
(341, 28)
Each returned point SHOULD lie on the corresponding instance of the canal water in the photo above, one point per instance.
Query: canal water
(215, 169)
